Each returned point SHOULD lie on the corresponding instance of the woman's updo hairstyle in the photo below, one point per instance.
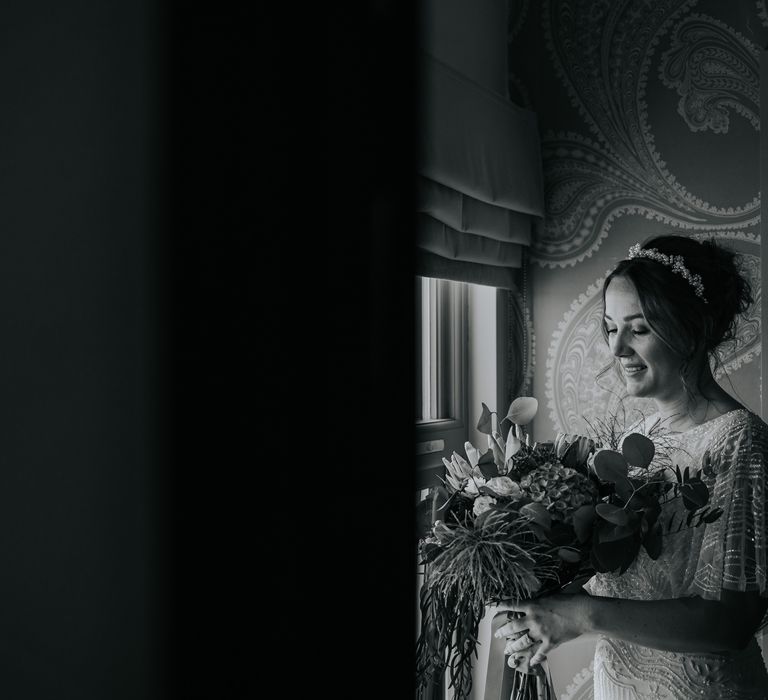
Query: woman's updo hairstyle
(690, 327)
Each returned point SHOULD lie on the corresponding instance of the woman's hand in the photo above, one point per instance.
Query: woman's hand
(542, 624)
(521, 660)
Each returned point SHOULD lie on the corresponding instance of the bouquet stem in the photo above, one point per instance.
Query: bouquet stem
(529, 686)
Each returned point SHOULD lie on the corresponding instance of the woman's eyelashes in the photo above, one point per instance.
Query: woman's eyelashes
(635, 331)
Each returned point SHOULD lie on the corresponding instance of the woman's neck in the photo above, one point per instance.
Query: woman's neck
(682, 411)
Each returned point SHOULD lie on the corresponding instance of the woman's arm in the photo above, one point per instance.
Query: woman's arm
(680, 625)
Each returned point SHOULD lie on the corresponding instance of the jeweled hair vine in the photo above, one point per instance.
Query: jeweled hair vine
(676, 263)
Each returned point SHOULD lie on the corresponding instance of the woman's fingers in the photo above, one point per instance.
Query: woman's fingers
(510, 606)
(521, 661)
(540, 654)
(522, 642)
(511, 628)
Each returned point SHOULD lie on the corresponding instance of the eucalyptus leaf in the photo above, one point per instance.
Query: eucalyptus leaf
(652, 542)
(610, 466)
(611, 533)
(609, 556)
(583, 521)
(695, 494)
(651, 515)
(569, 555)
(640, 499)
(634, 547)
(713, 515)
(638, 450)
(625, 488)
(613, 514)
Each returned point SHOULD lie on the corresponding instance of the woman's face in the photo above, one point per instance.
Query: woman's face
(651, 369)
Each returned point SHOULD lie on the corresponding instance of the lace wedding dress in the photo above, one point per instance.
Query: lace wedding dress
(727, 554)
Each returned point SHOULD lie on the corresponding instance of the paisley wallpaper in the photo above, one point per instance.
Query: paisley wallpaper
(649, 116)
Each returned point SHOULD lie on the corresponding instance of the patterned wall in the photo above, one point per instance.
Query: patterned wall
(649, 116)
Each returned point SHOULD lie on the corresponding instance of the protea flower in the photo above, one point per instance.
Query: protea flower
(458, 470)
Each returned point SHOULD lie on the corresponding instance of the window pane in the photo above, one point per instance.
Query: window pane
(437, 335)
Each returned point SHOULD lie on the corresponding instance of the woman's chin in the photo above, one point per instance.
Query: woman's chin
(636, 389)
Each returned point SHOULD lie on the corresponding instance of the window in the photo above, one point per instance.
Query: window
(441, 373)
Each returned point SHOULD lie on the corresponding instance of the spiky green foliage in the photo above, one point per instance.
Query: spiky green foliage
(499, 558)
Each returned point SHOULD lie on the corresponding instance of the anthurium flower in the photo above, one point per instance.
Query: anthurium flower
(504, 486)
(522, 410)
(512, 446)
(497, 447)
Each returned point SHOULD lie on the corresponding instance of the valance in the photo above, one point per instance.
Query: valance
(480, 188)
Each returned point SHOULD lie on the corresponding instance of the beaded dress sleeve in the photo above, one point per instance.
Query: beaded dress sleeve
(733, 550)
(727, 554)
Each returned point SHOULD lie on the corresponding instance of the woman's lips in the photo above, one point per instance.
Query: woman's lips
(633, 369)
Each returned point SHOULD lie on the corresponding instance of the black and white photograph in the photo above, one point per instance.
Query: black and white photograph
(555, 378)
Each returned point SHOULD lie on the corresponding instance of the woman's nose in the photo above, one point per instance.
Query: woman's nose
(620, 347)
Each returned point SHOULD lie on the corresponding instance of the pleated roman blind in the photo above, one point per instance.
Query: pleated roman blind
(480, 186)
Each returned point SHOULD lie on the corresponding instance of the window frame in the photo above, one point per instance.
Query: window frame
(453, 431)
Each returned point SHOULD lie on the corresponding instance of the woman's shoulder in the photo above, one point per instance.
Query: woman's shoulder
(734, 420)
(736, 432)
(742, 419)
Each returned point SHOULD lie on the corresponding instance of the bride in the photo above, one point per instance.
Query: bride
(682, 626)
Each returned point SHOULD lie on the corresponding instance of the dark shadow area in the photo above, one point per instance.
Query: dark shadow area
(128, 391)
(368, 596)
(79, 461)
(214, 518)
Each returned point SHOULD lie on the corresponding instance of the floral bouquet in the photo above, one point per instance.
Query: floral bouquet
(524, 519)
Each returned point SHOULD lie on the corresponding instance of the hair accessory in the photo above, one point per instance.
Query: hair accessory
(675, 262)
